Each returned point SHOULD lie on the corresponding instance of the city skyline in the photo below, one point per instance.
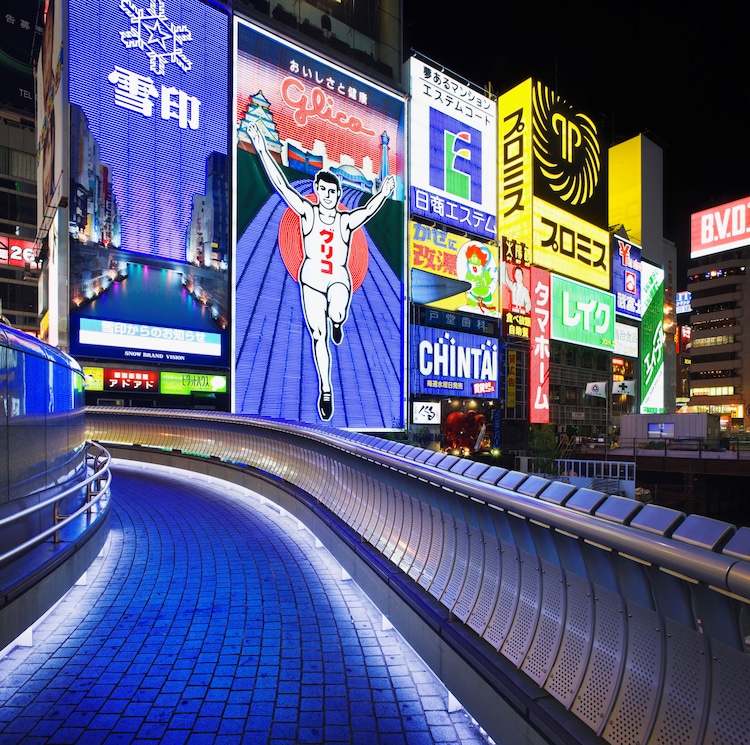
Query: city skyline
(673, 75)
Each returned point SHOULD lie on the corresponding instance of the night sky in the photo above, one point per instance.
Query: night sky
(677, 71)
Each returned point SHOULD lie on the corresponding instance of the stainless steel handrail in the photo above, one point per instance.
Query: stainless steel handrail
(97, 486)
(721, 571)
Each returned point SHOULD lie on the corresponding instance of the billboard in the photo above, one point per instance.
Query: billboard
(626, 277)
(149, 215)
(653, 339)
(582, 314)
(452, 152)
(552, 184)
(565, 244)
(18, 252)
(539, 412)
(17, 34)
(320, 215)
(569, 170)
(516, 300)
(683, 302)
(720, 228)
(451, 363)
(626, 340)
(452, 273)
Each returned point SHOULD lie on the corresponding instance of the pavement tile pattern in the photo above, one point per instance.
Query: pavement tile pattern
(211, 616)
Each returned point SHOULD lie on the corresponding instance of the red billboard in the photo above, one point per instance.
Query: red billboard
(720, 228)
(539, 347)
(16, 252)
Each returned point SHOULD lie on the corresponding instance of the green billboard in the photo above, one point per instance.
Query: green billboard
(183, 384)
(582, 314)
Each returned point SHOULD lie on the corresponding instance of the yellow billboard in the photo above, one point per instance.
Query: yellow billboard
(453, 273)
(515, 164)
(567, 245)
(551, 185)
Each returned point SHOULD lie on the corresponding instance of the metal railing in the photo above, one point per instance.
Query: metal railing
(595, 617)
(95, 489)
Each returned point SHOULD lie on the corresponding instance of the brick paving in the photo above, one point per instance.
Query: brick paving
(211, 617)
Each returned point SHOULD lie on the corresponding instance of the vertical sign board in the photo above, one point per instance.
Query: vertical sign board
(149, 219)
(653, 339)
(539, 412)
(516, 300)
(514, 166)
(452, 273)
(552, 191)
(626, 277)
(452, 152)
(50, 120)
(319, 268)
(582, 315)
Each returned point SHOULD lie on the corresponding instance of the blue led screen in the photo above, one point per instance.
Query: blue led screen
(453, 363)
(149, 210)
(626, 277)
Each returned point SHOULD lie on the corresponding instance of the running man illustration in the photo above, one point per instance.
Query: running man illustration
(324, 277)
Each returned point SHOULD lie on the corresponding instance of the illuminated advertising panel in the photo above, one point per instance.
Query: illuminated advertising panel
(320, 210)
(685, 339)
(93, 378)
(552, 190)
(652, 339)
(452, 152)
(514, 165)
(539, 347)
(569, 170)
(134, 381)
(720, 228)
(516, 300)
(18, 26)
(565, 244)
(510, 382)
(626, 340)
(183, 384)
(425, 412)
(17, 252)
(582, 314)
(684, 302)
(449, 363)
(452, 273)
(149, 216)
(626, 277)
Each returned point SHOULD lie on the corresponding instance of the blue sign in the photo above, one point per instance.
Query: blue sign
(626, 277)
(453, 363)
(149, 177)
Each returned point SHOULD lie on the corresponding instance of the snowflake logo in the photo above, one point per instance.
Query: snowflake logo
(159, 38)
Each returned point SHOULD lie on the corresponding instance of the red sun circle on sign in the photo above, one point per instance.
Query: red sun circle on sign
(290, 246)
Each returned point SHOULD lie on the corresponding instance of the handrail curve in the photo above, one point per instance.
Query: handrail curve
(631, 617)
(101, 460)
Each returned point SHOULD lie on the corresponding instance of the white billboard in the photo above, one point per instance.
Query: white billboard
(453, 146)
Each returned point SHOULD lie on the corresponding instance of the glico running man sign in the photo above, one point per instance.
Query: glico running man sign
(319, 334)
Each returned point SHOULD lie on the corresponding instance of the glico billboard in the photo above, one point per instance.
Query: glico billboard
(452, 152)
(320, 215)
(552, 184)
(149, 216)
(720, 228)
